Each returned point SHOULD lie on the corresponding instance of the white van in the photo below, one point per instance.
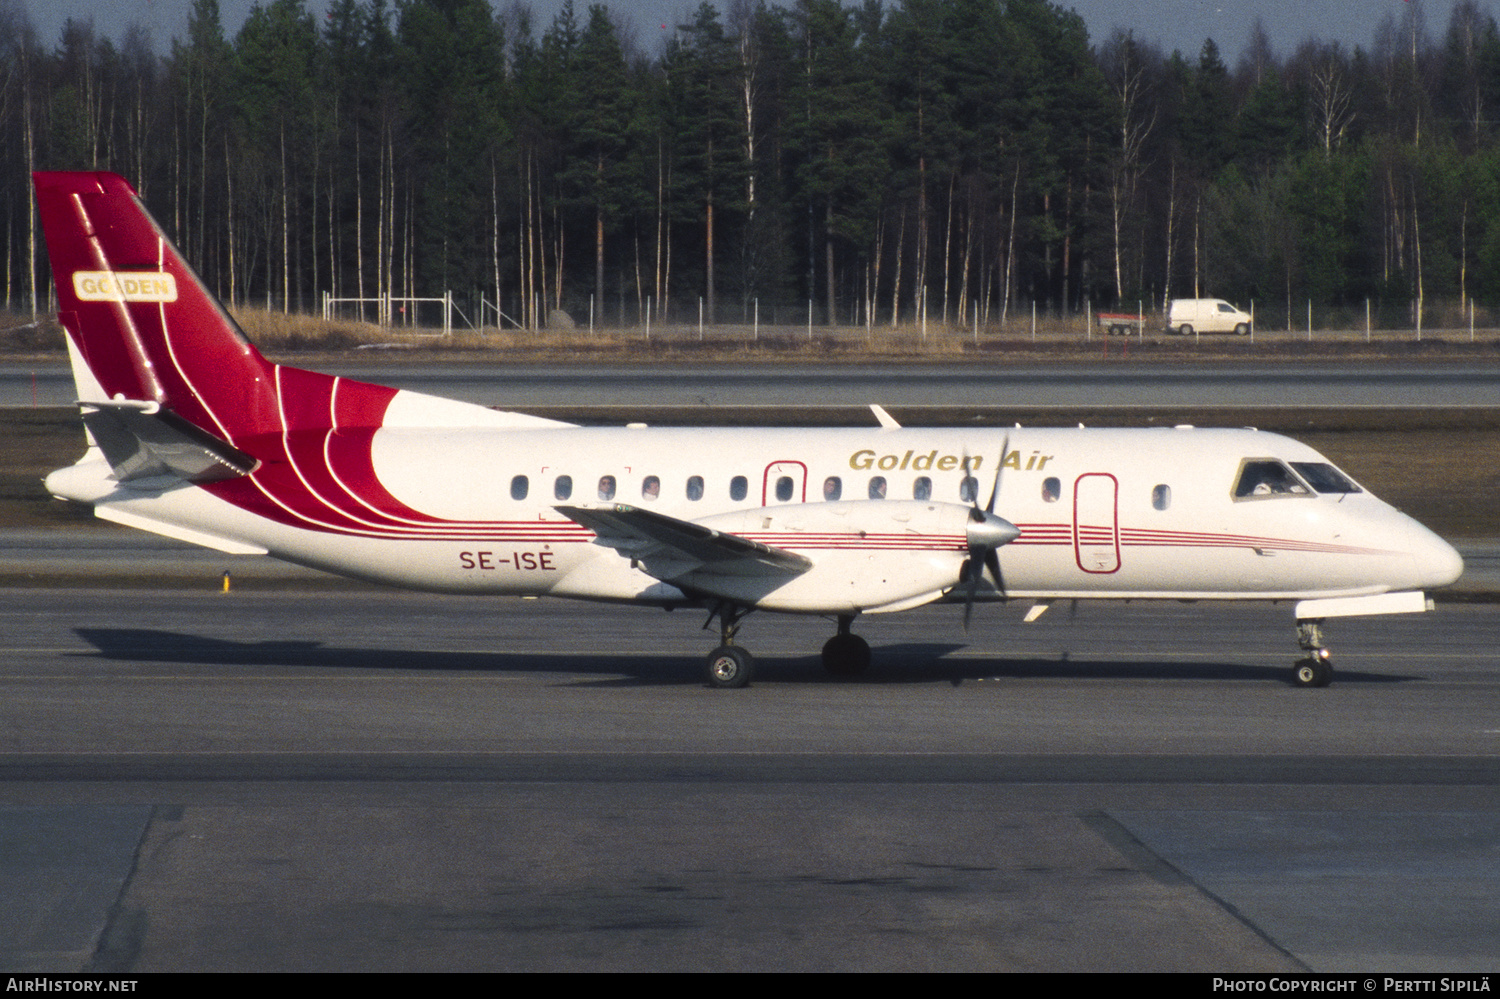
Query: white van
(1206, 315)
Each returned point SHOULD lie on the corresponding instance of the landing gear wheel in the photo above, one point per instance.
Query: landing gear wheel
(1314, 671)
(730, 666)
(846, 655)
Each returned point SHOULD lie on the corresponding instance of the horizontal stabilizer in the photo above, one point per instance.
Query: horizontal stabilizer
(669, 548)
(114, 515)
(141, 440)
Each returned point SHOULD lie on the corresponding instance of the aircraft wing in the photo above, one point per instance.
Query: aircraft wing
(141, 440)
(669, 548)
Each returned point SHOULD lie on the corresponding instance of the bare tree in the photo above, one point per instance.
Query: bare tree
(1330, 107)
(1126, 70)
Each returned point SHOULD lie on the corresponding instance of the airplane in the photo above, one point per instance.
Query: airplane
(192, 434)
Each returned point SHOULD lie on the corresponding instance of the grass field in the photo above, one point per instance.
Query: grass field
(1058, 340)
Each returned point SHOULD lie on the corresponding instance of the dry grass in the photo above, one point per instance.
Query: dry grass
(23, 334)
(1052, 338)
(1059, 339)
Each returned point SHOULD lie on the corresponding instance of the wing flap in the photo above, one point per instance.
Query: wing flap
(669, 548)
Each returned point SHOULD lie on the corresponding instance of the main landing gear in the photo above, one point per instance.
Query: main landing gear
(731, 665)
(1316, 669)
(846, 654)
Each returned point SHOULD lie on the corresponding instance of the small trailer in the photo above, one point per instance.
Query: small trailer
(1121, 323)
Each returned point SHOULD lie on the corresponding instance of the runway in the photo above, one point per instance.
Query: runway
(365, 780)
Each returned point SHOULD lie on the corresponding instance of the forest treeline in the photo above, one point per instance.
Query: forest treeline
(962, 158)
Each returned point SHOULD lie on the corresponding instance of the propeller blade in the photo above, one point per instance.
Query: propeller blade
(992, 563)
(969, 598)
(999, 468)
(985, 533)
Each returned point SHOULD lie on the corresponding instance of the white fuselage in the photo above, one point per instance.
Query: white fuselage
(1102, 513)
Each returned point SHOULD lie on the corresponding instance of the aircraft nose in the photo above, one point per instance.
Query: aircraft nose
(1438, 563)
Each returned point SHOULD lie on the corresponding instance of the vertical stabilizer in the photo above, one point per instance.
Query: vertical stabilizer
(139, 318)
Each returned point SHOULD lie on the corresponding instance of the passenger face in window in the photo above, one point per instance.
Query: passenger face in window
(695, 488)
(877, 487)
(606, 487)
(651, 487)
(921, 489)
(833, 488)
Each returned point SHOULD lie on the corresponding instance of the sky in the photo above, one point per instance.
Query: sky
(1172, 24)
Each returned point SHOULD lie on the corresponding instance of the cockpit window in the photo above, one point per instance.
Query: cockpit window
(1262, 477)
(1325, 478)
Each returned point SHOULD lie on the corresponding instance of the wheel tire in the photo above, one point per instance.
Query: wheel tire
(846, 655)
(1185, 329)
(1312, 672)
(729, 667)
(1243, 329)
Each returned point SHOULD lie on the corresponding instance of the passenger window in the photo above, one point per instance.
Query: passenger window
(651, 487)
(563, 488)
(1325, 478)
(1264, 477)
(877, 487)
(695, 488)
(784, 489)
(968, 489)
(606, 487)
(1161, 497)
(1051, 489)
(921, 489)
(833, 488)
(739, 488)
(519, 487)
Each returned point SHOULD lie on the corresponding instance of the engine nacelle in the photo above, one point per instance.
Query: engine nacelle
(866, 555)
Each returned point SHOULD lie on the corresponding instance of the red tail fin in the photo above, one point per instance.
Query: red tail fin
(147, 327)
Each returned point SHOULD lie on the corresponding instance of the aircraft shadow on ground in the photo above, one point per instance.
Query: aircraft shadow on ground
(899, 663)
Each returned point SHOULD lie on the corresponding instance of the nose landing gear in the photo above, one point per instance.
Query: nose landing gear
(1316, 669)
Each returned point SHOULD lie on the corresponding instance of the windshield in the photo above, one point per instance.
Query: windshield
(1325, 478)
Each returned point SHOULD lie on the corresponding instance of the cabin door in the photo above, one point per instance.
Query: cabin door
(1096, 522)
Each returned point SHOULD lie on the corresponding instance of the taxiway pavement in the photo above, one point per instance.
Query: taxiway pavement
(309, 780)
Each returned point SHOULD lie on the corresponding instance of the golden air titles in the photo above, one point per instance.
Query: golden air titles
(931, 461)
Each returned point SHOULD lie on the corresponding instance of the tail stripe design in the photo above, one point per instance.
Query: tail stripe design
(174, 345)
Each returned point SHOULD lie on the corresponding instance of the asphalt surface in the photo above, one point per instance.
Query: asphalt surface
(303, 774)
(1469, 383)
(375, 781)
